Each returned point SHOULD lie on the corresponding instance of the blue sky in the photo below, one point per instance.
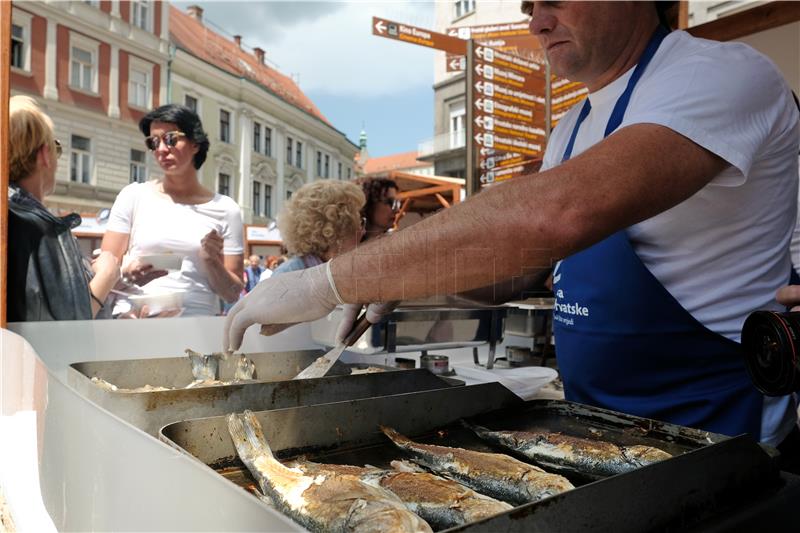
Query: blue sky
(353, 77)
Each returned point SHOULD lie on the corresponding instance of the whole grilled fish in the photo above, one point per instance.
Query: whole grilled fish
(440, 502)
(494, 474)
(324, 502)
(586, 456)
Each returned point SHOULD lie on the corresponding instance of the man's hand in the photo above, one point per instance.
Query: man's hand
(280, 302)
(789, 296)
(375, 313)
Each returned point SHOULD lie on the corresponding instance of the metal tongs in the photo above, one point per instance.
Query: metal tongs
(323, 364)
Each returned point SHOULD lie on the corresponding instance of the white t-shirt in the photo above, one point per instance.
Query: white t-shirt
(157, 224)
(723, 252)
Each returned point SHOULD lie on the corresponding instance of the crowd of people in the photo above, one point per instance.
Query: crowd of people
(174, 215)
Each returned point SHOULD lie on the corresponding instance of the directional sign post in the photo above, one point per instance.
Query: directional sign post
(420, 36)
(506, 113)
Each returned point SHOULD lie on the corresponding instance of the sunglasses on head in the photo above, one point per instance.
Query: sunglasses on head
(170, 138)
(59, 149)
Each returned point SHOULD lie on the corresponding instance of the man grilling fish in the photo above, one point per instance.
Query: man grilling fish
(665, 204)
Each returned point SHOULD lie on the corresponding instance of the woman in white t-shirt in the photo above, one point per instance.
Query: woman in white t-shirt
(177, 214)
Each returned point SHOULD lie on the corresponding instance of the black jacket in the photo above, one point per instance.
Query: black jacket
(48, 278)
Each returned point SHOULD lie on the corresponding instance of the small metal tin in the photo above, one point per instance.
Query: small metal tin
(437, 364)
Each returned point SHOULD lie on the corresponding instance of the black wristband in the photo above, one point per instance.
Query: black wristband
(96, 299)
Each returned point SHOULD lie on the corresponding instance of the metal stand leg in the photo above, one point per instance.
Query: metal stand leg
(490, 361)
(475, 358)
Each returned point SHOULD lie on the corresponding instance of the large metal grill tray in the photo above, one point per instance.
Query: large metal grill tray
(273, 388)
(708, 473)
(419, 327)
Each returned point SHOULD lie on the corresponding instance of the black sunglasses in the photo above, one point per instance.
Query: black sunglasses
(170, 138)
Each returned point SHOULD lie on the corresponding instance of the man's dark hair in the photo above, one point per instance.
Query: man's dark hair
(374, 189)
(187, 121)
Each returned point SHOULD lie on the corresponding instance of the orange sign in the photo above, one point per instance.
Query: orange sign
(420, 36)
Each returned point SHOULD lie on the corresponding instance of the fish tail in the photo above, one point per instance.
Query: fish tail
(400, 440)
(478, 430)
(247, 435)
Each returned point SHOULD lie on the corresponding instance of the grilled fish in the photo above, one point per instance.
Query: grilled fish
(585, 456)
(324, 502)
(494, 474)
(440, 502)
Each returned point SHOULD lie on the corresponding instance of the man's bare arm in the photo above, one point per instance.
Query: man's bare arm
(523, 226)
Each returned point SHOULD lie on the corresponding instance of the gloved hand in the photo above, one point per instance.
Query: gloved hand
(375, 313)
(280, 302)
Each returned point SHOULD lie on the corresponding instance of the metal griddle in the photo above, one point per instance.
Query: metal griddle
(708, 475)
(273, 386)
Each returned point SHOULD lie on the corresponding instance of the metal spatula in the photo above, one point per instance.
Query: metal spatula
(320, 367)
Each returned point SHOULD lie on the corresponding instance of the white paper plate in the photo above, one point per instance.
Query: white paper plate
(162, 261)
(524, 381)
(158, 302)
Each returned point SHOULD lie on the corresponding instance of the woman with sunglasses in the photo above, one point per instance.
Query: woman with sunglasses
(381, 207)
(322, 220)
(177, 214)
(48, 278)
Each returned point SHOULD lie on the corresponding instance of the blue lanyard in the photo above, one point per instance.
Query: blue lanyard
(622, 102)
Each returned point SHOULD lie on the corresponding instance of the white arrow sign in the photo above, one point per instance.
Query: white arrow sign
(380, 27)
(479, 103)
(479, 52)
(479, 138)
(479, 69)
(487, 151)
(479, 86)
(479, 120)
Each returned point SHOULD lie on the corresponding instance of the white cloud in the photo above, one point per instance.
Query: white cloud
(330, 46)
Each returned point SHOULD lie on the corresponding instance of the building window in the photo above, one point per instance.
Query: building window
(463, 7)
(80, 168)
(138, 166)
(268, 201)
(256, 137)
(349, 173)
(267, 141)
(20, 40)
(224, 186)
(327, 166)
(140, 14)
(339, 170)
(256, 199)
(83, 63)
(289, 150)
(319, 163)
(190, 102)
(298, 155)
(224, 126)
(139, 84)
(457, 116)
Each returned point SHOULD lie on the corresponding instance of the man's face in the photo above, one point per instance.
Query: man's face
(582, 39)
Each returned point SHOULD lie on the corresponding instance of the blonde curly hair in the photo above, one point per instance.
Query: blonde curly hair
(320, 215)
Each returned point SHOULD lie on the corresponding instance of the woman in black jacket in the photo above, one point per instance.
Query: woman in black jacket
(48, 278)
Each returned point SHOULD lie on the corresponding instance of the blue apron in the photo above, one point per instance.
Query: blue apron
(624, 343)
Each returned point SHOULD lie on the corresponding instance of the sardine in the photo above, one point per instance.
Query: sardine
(442, 503)
(585, 456)
(493, 474)
(324, 502)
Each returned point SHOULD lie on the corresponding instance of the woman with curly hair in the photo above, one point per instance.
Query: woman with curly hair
(322, 220)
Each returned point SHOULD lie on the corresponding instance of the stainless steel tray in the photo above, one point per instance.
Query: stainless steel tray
(418, 328)
(708, 471)
(274, 388)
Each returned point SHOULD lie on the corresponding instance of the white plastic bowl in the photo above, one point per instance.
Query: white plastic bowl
(166, 261)
(158, 302)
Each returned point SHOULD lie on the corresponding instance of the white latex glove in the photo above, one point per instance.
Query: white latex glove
(375, 313)
(280, 302)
